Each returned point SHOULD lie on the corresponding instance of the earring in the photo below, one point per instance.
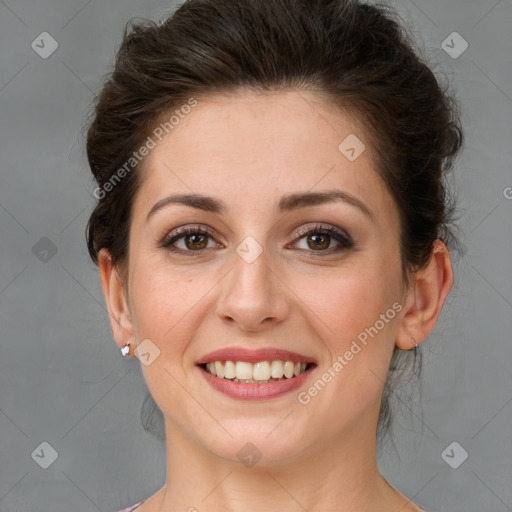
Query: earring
(414, 343)
(125, 350)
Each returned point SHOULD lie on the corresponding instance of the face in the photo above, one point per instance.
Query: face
(265, 275)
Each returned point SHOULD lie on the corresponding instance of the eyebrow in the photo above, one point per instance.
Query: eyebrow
(287, 203)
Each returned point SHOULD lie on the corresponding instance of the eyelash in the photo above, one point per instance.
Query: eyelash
(340, 237)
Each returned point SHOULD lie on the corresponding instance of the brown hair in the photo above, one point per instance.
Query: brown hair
(356, 55)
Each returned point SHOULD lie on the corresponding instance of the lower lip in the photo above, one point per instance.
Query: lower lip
(241, 391)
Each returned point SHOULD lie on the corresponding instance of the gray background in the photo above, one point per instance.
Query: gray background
(62, 379)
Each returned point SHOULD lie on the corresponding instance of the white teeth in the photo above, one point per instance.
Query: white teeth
(288, 369)
(276, 370)
(211, 368)
(229, 370)
(261, 372)
(243, 370)
(219, 369)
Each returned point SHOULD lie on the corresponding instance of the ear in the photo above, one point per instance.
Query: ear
(426, 297)
(115, 297)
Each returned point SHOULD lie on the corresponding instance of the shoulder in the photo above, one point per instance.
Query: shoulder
(132, 508)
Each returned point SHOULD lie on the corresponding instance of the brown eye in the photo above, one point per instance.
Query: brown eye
(319, 241)
(194, 240)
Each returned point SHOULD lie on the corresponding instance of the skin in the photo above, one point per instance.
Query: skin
(249, 150)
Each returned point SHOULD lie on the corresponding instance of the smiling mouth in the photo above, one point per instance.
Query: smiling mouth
(262, 372)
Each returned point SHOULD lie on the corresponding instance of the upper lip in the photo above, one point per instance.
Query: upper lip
(254, 355)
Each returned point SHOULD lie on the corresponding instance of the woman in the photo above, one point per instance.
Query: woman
(271, 238)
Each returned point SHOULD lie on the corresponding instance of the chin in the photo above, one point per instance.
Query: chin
(262, 443)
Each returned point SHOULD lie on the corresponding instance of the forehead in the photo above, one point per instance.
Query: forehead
(244, 126)
(257, 145)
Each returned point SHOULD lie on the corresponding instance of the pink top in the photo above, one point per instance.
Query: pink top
(133, 507)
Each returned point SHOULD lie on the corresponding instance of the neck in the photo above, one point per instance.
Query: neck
(335, 474)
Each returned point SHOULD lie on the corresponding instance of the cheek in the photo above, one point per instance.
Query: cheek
(359, 308)
(359, 312)
(163, 302)
(353, 299)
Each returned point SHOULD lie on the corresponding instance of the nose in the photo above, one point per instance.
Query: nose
(253, 296)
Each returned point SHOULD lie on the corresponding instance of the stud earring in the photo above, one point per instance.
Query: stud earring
(125, 350)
